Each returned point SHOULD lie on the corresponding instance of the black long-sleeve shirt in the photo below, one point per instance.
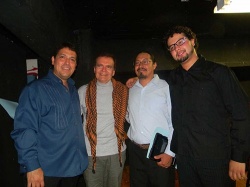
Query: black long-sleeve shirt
(210, 112)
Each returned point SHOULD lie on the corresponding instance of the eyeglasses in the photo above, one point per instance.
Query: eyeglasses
(180, 42)
(145, 61)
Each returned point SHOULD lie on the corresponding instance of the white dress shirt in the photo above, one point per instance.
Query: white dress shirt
(149, 107)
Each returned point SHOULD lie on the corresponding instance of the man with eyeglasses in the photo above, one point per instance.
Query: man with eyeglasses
(149, 107)
(103, 104)
(210, 115)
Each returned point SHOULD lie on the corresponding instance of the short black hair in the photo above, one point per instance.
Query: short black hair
(150, 54)
(181, 29)
(69, 45)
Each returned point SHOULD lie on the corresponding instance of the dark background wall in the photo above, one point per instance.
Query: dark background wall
(13, 78)
(31, 29)
(12, 73)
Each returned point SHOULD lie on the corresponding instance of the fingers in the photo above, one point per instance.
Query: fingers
(237, 170)
(163, 165)
(164, 162)
(35, 178)
(238, 176)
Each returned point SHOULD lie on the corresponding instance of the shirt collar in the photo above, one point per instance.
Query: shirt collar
(56, 79)
(197, 66)
(109, 83)
(154, 81)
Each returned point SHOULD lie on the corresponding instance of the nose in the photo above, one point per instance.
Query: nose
(104, 68)
(67, 60)
(140, 64)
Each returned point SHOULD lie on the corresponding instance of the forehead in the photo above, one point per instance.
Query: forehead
(104, 59)
(174, 38)
(142, 56)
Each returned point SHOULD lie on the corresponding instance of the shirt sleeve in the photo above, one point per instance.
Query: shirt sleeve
(82, 94)
(237, 104)
(26, 122)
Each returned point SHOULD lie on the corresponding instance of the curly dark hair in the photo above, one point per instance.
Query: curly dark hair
(181, 29)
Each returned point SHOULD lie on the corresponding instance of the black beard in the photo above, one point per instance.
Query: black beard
(141, 76)
(183, 59)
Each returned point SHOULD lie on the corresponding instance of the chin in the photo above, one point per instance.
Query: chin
(141, 76)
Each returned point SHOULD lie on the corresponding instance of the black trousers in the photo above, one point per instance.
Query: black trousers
(58, 181)
(203, 172)
(145, 172)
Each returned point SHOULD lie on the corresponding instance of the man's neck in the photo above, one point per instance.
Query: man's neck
(65, 83)
(145, 81)
(189, 62)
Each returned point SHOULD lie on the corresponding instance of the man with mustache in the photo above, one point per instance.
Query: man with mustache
(149, 107)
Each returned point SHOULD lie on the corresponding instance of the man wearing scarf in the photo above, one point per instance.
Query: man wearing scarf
(103, 104)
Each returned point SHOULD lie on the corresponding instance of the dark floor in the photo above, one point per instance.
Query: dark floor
(125, 180)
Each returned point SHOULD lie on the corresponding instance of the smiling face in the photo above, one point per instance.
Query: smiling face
(144, 70)
(64, 64)
(184, 52)
(104, 69)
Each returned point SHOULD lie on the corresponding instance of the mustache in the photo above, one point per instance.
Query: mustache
(139, 69)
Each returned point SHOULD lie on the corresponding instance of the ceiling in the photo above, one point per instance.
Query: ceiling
(136, 18)
(42, 24)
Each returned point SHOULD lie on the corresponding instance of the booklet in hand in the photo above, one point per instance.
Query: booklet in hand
(158, 147)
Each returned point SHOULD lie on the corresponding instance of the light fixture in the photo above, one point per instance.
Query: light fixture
(232, 6)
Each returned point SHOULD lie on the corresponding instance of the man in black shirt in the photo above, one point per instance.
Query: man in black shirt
(210, 115)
